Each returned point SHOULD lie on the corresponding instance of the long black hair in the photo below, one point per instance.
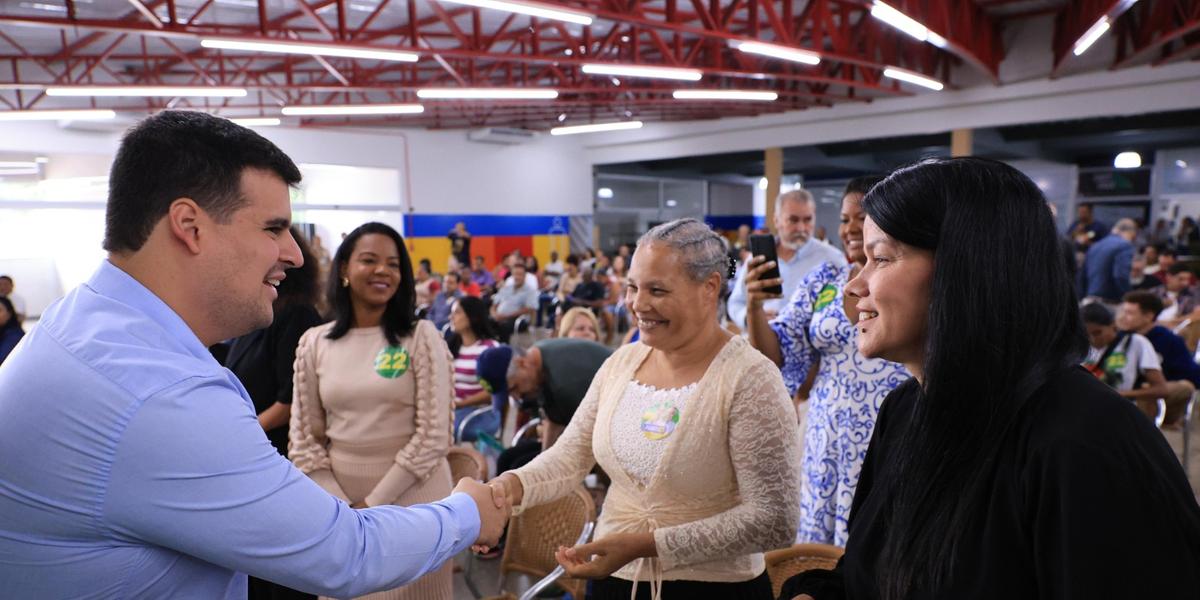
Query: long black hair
(398, 317)
(12, 323)
(301, 285)
(1002, 319)
(481, 322)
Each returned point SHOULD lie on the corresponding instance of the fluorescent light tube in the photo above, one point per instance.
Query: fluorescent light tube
(57, 115)
(724, 95)
(1093, 33)
(353, 109)
(531, 9)
(774, 51)
(9, 164)
(1128, 160)
(642, 71)
(598, 127)
(911, 77)
(257, 122)
(147, 91)
(487, 94)
(309, 49)
(899, 20)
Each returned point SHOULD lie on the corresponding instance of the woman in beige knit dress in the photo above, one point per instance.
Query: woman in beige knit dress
(373, 389)
(697, 432)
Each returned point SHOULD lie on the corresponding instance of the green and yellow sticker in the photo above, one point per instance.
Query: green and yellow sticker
(825, 297)
(392, 362)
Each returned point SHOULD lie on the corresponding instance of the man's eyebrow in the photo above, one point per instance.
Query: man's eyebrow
(283, 222)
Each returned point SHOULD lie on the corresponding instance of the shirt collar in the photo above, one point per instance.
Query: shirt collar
(110, 281)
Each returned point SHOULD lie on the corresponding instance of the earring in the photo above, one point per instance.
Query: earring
(345, 282)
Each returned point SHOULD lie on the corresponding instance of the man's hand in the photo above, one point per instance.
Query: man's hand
(755, 295)
(602, 558)
(494, 511)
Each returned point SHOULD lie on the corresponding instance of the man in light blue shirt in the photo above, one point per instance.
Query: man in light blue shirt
(134, 465)
(799, 253)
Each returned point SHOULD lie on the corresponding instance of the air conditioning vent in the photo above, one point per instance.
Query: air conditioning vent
(502, 135)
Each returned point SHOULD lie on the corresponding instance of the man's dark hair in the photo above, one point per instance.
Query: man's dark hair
(6, 278)
(1177, 268)
(573, 259)
(183, 154)
(454, 274)
(1096, 314)
(1148, 302)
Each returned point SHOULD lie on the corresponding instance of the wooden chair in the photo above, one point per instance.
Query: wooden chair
(536, 534)
(784, 563)
(466, 462)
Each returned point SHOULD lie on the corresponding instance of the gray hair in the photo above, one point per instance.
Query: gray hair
(801, 196)
(701, 249)
(1125, 226)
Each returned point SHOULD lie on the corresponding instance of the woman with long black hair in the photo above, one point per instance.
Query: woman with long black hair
(1001, 469)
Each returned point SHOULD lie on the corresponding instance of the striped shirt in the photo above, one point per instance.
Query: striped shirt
(466, 382)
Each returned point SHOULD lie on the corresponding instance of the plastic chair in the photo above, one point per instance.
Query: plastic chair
(536, 534)
(471, 416)
(466, 462)
(787, 562)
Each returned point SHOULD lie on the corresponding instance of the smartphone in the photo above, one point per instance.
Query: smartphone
(764, 245)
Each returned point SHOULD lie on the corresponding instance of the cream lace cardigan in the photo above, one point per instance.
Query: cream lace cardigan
(727, 487)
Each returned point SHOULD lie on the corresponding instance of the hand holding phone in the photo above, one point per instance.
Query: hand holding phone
(764, 245)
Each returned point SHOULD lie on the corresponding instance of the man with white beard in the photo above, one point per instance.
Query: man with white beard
(799, 253)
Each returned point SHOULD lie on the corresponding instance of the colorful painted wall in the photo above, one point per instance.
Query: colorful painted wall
(492, 236)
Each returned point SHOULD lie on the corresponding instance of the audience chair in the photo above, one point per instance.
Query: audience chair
(471, 416)
(787, 562)
(536, 534)
(466, 462)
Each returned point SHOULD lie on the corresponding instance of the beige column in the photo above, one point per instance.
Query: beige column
(773, 171)
(961, 142)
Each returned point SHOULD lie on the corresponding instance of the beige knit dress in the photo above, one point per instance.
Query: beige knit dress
(370, 424)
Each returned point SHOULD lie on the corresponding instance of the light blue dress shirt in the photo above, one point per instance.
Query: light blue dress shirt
(811, 255)
(133, 466)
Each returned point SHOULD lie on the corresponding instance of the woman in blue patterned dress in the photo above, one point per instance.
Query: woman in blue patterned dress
(817, 327)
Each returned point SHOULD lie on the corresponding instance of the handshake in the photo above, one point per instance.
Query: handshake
(495, 507)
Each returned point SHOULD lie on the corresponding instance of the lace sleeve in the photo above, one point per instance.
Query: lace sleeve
(765, 449)
(558, 469)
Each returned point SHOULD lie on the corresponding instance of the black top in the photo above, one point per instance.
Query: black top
(1087, 501)
(263, 359)
(1177, 361)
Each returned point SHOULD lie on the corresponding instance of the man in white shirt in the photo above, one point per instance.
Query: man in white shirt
(6, 290)
(1124, 360)
(515, 299)
(799, 253)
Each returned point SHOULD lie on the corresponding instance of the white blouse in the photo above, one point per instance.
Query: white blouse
(644, 420)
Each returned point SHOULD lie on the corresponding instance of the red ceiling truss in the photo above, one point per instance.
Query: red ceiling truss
(156, 42)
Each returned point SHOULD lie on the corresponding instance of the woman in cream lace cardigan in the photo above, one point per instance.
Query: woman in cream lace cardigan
(697, 432)
(372, 394)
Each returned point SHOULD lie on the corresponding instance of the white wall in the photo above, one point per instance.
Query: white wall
(449, 174)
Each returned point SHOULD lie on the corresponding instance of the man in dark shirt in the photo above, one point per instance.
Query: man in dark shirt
(589, 293)
(1106, 270)
(1086, 230)
(1138, 313)
(460, 243)
(557, 373)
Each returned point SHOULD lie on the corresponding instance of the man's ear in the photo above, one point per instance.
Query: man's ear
(184, 218)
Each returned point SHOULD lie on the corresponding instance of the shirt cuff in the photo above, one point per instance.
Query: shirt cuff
(465, 516)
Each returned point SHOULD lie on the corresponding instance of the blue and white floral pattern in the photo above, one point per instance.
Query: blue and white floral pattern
(843, 403)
